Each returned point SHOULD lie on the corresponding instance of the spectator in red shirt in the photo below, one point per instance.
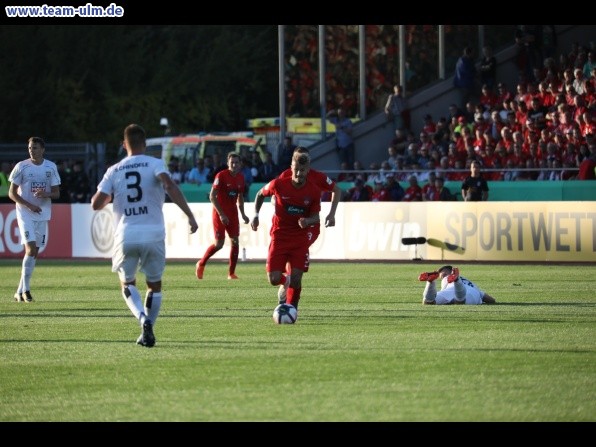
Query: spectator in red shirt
(587, 167)
(414, 191)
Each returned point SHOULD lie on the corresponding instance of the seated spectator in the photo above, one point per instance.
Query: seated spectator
(429, 189)
(392, 160)
(429, 127)
(360, 192)
(511, 173)
(587, 167)
(345, 175)
(394, 189)
(380, 194)
(414, 192)
(199, 174)
(441, 192)
(174, 170)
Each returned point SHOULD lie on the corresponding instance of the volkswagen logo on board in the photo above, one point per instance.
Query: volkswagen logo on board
(102, 233)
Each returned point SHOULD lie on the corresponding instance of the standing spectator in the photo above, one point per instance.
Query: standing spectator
(138, 182)
(79, 189)
(268, 169)
(227, 193)
(247, 172)
(285, 150)
(396, 107)
(290, 231)
(65, 173)
(4, 173)
(465, 76)
(343, 134)
(488, 68)
(34, 182)
(474, 188)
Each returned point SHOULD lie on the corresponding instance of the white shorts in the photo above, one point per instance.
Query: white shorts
(146, 257)
(34, 231)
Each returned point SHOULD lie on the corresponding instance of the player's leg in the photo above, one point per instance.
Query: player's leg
(125, 262)
(31, 232)
(233, 230)
(460, 289)
(277, 261)
(219, 231)
(153, 264)
(300, 262)
(430, 293)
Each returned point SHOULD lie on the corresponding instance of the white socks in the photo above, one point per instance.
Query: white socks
(133, 301)
(26, 273)
(430, 292)
(152, 305)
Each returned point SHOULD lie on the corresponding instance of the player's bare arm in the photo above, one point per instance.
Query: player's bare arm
(178, 198)
(335, 196)
(241, 208)
(259, 199)
(100, 200)
(13, 193)
(305, 222)
(53, 194)
(215, 202)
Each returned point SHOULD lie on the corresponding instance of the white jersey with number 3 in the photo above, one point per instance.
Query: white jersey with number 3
(138, 198)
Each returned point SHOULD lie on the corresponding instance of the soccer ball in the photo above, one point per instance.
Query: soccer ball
(285, 314)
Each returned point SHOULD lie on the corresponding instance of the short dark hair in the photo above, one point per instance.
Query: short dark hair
(445, 267)
(37, 140)
(135, 136)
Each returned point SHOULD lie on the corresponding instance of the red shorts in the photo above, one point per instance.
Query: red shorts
(220, 230)
(293, 251)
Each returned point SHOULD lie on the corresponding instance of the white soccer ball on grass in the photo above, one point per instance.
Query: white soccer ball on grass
(285, 314)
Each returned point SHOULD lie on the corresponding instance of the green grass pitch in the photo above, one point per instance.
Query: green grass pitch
(364, 348)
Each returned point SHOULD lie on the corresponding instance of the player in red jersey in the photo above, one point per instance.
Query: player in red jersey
(326, 184)
(227, 193)
(297, 205)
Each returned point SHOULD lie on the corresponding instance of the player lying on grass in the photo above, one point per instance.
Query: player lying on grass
(455, 289)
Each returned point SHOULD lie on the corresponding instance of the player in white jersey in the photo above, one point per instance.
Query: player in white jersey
(455, 289)
(34, 183)
(138, 184)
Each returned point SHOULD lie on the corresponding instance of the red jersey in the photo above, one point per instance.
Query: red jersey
(228, 188)
(292, 203)
(317, 177)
